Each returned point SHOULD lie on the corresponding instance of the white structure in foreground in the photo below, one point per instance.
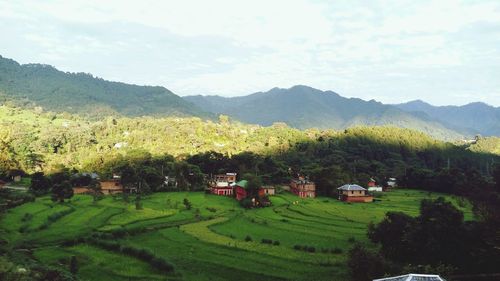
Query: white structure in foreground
(413, 277)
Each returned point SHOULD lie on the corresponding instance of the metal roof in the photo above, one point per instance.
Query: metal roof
(351, 187)
(413, 277)
(242, 183)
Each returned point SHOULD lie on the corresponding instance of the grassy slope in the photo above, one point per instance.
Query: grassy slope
(210, 249)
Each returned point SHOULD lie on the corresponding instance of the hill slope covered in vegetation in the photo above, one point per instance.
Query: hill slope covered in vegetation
(45, 86)
(34, 141)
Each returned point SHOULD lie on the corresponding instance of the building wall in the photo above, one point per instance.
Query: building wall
(362, 199)
(303, 189)
(269, 191)
(241, 193)
(228, 178)
(80, 190)
(222, 191)
(351, 193)
(109, 187)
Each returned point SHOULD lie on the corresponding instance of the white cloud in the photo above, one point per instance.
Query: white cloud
(368, 49)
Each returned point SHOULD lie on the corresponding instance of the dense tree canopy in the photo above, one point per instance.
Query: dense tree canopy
(187, 148)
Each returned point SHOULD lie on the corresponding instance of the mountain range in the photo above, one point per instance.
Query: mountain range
(39, 85)
(305, 107)
(476, 117)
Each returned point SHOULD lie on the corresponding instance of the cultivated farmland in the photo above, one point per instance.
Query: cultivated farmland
(294, 239)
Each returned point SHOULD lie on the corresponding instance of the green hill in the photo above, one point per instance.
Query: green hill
(44, 86)
(305, 107)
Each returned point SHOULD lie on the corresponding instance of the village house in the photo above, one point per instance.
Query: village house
(373, 187)
(170, 181)
(372, 182)
(111, 186)
(303, 188)
(83, 189)
(267, 190)
(222, 184)
(353, 193)
(391, 182)
(240, 190)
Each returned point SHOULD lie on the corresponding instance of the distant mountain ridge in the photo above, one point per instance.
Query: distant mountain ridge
(305, 107)
(302, 107)
(476, 117)
(54, 90)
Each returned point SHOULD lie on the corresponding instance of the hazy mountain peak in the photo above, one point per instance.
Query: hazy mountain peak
(303, 107)
(475, 117)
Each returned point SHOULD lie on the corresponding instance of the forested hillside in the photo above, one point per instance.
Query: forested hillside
(47, 142)
(305, 107)
(46, 87)
(476, 117)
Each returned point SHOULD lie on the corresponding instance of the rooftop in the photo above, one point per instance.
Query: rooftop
(242, 183)
(413, 277)
(351, 187)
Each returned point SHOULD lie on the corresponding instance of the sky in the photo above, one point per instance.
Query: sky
(443, 52)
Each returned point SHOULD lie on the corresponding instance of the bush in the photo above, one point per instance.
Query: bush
(23, 228)
(248, 238)
(267, 241)
(336, 250)
(213, 210)
(119, 233)
(162, 264)
(246, 203)
(311, 249)
(351, 240)
(187, 204)
(276, 243)
(27, 217)
(297, 247)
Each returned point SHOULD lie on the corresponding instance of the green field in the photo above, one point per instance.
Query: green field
(207, 242)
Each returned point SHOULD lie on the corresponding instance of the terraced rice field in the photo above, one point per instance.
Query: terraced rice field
(215, 240)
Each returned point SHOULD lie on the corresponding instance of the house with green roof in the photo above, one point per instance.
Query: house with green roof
(240, 189)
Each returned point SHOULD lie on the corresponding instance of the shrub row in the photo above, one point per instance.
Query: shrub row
(269, 241)
(55, 217)
(305, 248)
(335, 250)
(213, 210)
(142, 254)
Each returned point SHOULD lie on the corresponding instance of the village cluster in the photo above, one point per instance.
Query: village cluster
(228, 185)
